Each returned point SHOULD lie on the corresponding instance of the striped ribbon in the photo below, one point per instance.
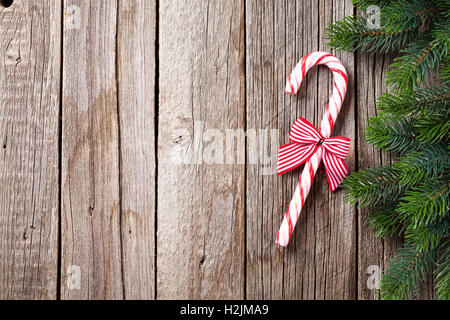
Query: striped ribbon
(309, 145)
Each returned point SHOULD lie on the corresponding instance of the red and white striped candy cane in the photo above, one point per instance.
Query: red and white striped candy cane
(311, 145)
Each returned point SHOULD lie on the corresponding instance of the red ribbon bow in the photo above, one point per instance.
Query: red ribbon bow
(306, 141)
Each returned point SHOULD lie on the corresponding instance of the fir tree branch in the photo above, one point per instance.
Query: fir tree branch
(433, 128)
(433, 99)
(352, 33)
(442, 272)
(405, 272)
(411, 14)
(444, 71)
(420, 59)
(401, 22)
(428, 237)
(372, 186)
(385, 221)
(364, 4)
(396, 135)
(432, 162)
(425, 204)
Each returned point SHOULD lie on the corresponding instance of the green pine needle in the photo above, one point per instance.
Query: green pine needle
(353, 33)
(428, 237)
(390, 134)
(425, 204)
(432, 162)
(364, 4)
(421, 59)
(430, 100)
(385, 221)
(407, 270)
(433, 128)
(442, 273)
(371, 186)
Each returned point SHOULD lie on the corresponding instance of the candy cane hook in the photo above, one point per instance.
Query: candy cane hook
(309, 145)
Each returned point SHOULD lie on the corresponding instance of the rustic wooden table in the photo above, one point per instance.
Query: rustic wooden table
(97, 100)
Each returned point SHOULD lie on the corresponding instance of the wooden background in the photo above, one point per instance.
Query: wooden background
(96, 98)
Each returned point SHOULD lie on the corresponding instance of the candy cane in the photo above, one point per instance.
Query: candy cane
(311, 145)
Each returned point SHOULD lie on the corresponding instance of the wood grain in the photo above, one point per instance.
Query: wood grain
(91, 236)
(200, 239)
(136, 84)
(29, 111)
(371, 71)
(319, 262)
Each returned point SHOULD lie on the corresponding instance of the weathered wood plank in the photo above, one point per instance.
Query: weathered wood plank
(136, 84)
(319, 263)
(371, 72)
(91, 238)
(30, 35)
(200, 242)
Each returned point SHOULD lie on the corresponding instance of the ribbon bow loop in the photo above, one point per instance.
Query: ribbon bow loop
(306, 141)
(339, 146)
(303, 131)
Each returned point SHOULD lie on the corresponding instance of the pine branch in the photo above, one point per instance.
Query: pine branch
(432, 162)
(427, 109)
(385, 221)
(433, 99)
(396, 135)
(420, 59)
(372, 186)
(412, 14)
(353, 33)
(401, 22)
(444, 72)
(433, 128)
(405, 272)
(364, 4)
(428, 237)
(425, 204)
(442, 272)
